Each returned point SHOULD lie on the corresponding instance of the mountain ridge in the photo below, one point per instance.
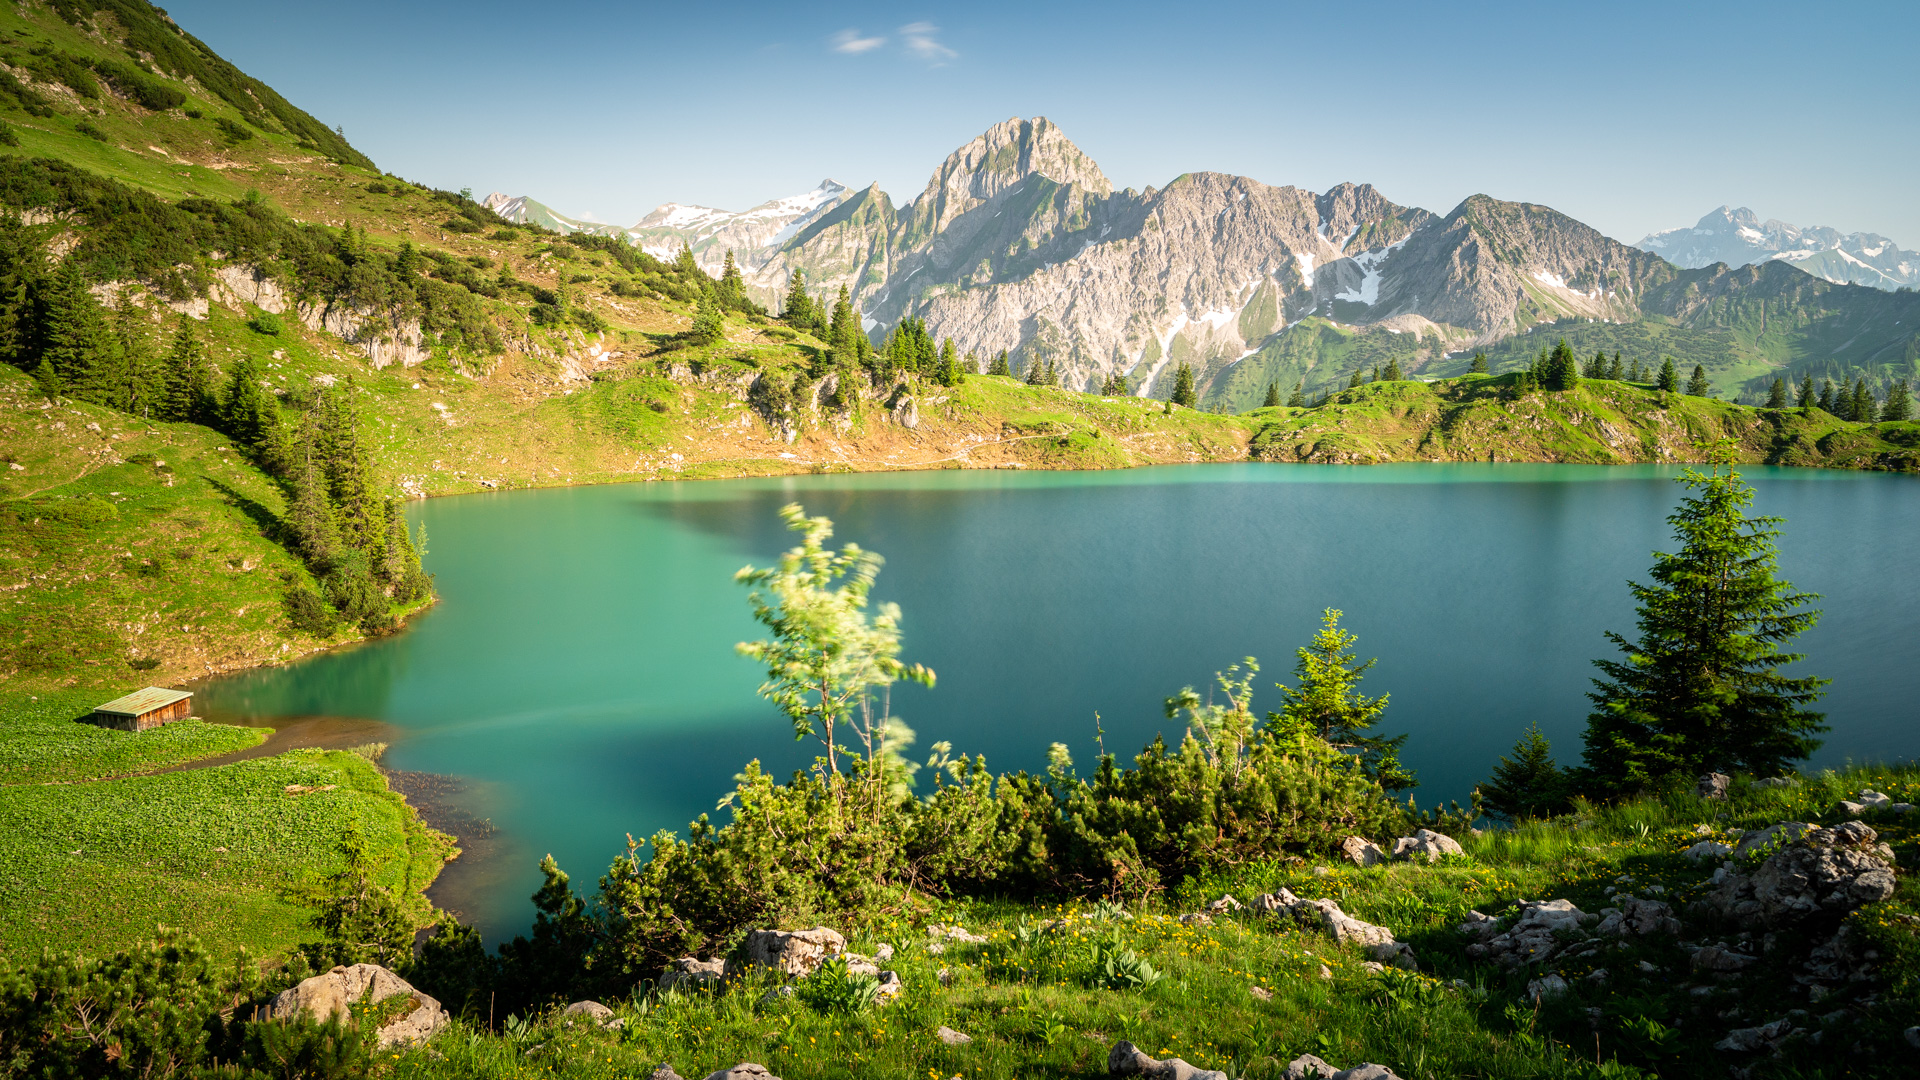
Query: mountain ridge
(1738, 237)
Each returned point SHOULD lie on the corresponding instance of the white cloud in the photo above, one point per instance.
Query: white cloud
(850, 41)
(920, 42)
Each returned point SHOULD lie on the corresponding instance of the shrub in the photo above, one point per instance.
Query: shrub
(309, 614)
(267, 323)
(232, 129)
(7, 137)
(351, 589)
(90, 130)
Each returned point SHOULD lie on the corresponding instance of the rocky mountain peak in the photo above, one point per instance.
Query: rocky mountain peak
(999, 159)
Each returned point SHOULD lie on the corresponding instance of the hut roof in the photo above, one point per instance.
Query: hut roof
(141, 702)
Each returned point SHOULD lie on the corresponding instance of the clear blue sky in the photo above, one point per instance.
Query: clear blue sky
(1630, 116)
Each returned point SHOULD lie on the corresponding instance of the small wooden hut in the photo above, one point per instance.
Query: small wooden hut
(143, 710)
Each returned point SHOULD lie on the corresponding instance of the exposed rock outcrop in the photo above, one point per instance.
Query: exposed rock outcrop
(336, 992)
(1426, 844)
(794, 952)
(1821, 876)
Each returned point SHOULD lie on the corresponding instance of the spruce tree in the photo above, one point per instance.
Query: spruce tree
(78, 354)
(309, 520)
(1328, 704)
(798, 309)
(1807, 398)
(1597, 367)
(1353, 381)
(1899, 404)
(1862, 410)
(947, 373)
(1669, 376)
(186, 386)
(1777, 395)
(1299, 398)
(1183, 386)
(1393, 370)
(687, 267)
(1616, 371)
(139, 369)
(1698, 386)
(1702, 689)
(1562, 371)
(1479, 365)
(1000, 365)
(732, 288)
(358, 510)
(1825, 400)
(1035, 371)
(1273, 396)
(1527, 784)
(249, 414)
(1050, 377)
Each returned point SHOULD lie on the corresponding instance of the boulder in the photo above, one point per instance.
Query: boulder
(1260, 993)
(1425, 842)
(890, 988)
(1327, 915)
(594, 1011)
(1713, 786)
(1125, 1059)
(884, 953)
(692, 971)
(1778, 782)
(1749, 1040)
(1275, 903)
(1873, 800)
(1366, 1071)
(1546, 988)
(1361, 852)
(1785, 832)
(334, 994)
(860, 965)
(1718, 960)
(1532, 937)
(1308, 1067)
(1708, 849)
(1394, 954)
(1196, 918)
(1635, 917)
(746, 1070)
(1224, 905)
(951, 1037)
(794, 952)
(1479, 926)
(1821, 876)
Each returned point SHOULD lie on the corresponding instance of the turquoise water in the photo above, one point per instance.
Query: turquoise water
(580, 671)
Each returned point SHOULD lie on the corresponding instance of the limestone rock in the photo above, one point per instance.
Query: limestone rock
(951, 1037)
(1224, 905)
(692, 971)
(1479, 926)
(1778, 782)
(1715, 960)
(1125, 1059)
(1425, 842)
(1755, 839)
(1873, 800)
(1748, 1040)
(664, 1071)
(1708, 849)
(1308, 1067)
(1394, 954)
(591, 1010)
(1345, 928)
(1531, 939)
(956, 933)
(1361, 852)
(1260, 993)
(746, 1070)
(335, 992)
(1546, 988)
(1713, 786)
(1196, 918)
(1823, 875)
(1635, 917)
(884, 953)
(890, 988)
(1275, 903)
(794, 952)
(1366, 1071)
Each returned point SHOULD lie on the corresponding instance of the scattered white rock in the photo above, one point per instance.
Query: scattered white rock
(693, 971)
(1778, 782)
(1224, 905)
(794, 952)
(335, 992)
(1361, 852)
(1708, 849)
(1713, 786)
(1546, 988)
(1425, 842)
(1125, 1059)
(1748, 1040)
(951, 1037)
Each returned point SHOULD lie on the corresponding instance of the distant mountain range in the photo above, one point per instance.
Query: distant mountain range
(1019, 242)
(1739, 238)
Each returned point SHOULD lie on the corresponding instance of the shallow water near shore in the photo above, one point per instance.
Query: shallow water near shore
(579, 671)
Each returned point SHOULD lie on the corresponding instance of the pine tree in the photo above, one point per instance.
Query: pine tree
(947, 373)
(78, 354)
(309, 520)
(1353, 381)
(186, 387)
(1299, 398)
(798, 309)
(1479, 366)
(732, 287)
(1616, 370)
(1183, 386)
(1702, 690)
(1826, 397)
(1698, 386)
(1807, 398)
(1273, 396)
(1777, 395)
(1862, 410)
(709, 324)
(1899, 404)
(359, 512)
(1527, 784)
(1328, 704)
(1000, 365)
(140, 372)
(688, 268)
(1669, 376)
(842, 329)
(1035, 371)
(1050, 377)
(1596, 368)
(1393, 370)
(1562, 371)
(249, 415)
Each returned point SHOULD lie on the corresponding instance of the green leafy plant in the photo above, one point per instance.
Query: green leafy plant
(834, 990)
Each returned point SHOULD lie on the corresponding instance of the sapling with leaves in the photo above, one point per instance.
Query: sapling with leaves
(828, 655)
(1224, 730)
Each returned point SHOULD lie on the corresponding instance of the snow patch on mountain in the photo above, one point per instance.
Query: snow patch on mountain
(1739, 238)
